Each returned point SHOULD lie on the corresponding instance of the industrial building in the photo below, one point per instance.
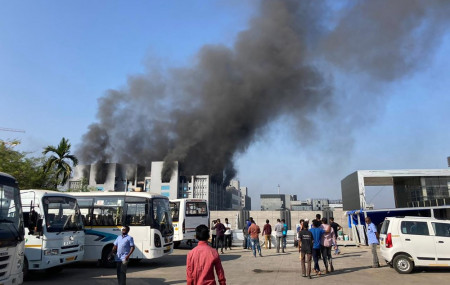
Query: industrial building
(275, 202)
(132, 177)
(238, 196)
(412, 187)
(106, 177)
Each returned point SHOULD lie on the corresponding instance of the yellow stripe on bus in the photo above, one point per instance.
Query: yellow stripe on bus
(109, 227)
(33, 245)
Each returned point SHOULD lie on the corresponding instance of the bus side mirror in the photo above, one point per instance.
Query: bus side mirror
(39, 226)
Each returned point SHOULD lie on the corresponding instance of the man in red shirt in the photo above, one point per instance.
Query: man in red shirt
(267, 232)
(253, 232)
(202, 260)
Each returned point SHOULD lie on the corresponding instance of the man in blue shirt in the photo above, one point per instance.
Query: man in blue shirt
(285, 229)
(123, 247)
(317, 233)
(372, 237)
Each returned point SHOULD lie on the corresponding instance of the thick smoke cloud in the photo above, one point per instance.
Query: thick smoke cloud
(203, 115)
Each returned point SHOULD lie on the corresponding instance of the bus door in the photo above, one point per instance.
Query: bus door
(136, 216)
(177, 226)
(33, 222)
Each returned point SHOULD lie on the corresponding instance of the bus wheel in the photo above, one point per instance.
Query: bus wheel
(135, 261)
(26, 272)
(105, 253)
(176, 244)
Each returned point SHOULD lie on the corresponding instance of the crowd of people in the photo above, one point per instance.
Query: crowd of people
(316, 239)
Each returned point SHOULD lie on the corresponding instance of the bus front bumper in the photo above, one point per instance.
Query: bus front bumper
(13, 279)
(50, 261)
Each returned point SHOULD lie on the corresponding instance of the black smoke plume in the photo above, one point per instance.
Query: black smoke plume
(205, 114)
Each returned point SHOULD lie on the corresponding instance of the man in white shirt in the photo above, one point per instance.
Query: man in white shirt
(279, 234)
(227, 234)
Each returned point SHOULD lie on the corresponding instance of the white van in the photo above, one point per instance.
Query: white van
(408, 242)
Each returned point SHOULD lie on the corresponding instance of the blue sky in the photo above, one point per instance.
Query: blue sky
(57, 59)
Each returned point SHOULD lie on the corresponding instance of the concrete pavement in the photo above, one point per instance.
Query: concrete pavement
(352, 267)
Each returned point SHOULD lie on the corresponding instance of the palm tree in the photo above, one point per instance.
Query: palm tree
(59, 161)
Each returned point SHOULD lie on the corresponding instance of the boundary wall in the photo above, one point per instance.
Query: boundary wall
(237, 218)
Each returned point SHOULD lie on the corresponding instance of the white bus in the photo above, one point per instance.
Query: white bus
(187, 214)
(147, 215)
(12, 243)
(53, 229)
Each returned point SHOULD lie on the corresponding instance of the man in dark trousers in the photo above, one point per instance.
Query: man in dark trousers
(213, 234)
(245, 233)
(305, 245)
(220, 235)
(336, 227)
(123, 247)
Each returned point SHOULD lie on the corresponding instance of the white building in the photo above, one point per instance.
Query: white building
(166, 188)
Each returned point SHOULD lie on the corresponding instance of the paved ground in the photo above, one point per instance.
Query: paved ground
(242, 268)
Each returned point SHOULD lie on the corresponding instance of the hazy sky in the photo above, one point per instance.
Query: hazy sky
(57, 59)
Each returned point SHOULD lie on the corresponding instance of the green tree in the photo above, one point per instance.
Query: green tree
(60, 161)
(27, 170)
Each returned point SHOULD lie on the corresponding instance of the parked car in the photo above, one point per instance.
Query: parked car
(408, 242)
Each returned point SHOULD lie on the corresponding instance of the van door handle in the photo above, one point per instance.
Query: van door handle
(407, 239)
(440, 241)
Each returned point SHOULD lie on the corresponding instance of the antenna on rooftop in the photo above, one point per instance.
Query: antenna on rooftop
(278, 189)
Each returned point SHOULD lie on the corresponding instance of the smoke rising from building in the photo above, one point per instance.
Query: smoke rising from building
(202, 115)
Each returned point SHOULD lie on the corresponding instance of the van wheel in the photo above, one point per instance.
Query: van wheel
(176, 244)
(403, 264)
(105, 253)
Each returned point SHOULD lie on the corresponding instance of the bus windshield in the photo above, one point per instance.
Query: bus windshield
(162, 218)
(196, 209)
(61, 214)
(10, 213)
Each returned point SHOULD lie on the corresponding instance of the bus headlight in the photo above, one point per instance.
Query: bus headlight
(53, 251)
(19, 260)
(157, 240)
